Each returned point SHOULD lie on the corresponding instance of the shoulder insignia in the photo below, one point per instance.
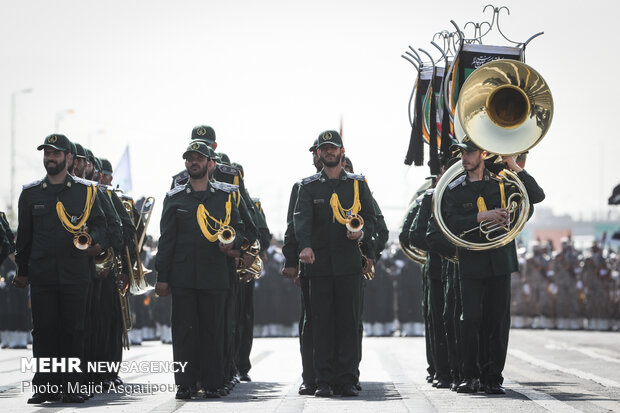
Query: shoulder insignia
(356, 176)
(85, 181)
(222, 186)
(180, 175)
(255, 200)
(32, 184)
(227, 169)
(457, 181)
(175, 190)
(429, 191)
(419, 199)
(499, 177)
(309, 179)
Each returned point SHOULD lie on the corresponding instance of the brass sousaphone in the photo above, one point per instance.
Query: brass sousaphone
(505, 107)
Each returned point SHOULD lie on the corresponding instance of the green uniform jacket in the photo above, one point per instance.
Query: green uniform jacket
(417, 236)
(382, 233)
(460, 214)
(7, 241)
(45, 250)
(289, 249)
(185, 258)
(316, 227)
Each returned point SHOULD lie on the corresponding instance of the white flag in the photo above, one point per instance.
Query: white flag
(122, 173)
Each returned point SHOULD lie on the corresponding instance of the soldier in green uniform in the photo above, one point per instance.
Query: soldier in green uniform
(51, 211)
(332, 261)
(474, 197)
(294, 271)
(194, 266)
(239, 313)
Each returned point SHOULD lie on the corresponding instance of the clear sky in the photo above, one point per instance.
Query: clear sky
(270, 75)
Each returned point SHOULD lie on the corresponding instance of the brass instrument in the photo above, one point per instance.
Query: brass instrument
(355, 223)
(505, 107)
(413, 253)
(82, 239)
(125, 309)
(255, 270)
(137, 273)
(150, 201)
(226, 234)
(368, 271)
(105, 262)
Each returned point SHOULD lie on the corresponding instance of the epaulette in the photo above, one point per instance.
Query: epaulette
(105, 187)
(222, 186)
(355, 176)
(419, 199)
(32, 184)
(227, 169)
(175, 190)
(457, 181)
(429, 191)
(180, 175)
(497, 177)
(255, 200)
(309, 179)
(85, 181)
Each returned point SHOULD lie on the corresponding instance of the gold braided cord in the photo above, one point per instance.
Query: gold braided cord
(341, 213)
(203, 218)
(91, 194)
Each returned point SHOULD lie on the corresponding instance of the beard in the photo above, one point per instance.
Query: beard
(471, 166)
(54, 168)
(331, 163)
(196, 172)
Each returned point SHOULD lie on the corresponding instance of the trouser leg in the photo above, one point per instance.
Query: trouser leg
(347, 316)
(248, 328)
(211, 322)
(496, 306)
(184, 335)
(440, 345)
(471, 320)
(305, 339)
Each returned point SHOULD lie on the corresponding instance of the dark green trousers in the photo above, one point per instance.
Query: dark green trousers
(198, 319)
(428, 336)
(335, 306)
(451, 316)
(485, 323)
(246, 326)
(58, 316)
(438, 330)
(305, 333)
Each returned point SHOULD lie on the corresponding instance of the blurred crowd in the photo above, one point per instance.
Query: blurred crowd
(564, 289)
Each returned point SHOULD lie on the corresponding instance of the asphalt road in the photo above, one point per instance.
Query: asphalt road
(546, 371)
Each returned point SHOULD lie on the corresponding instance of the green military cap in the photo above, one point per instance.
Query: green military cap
(81, 153)
(56, 141)
(329, 137)
(347, 160)
(73, 150)
(98, 165)
(106, 167)
(467, 144)
(223, 158)
(203, 133)
(89, 156)
(201, 148)
(314, 145)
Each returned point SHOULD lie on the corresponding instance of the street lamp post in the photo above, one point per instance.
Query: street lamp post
(13, 111)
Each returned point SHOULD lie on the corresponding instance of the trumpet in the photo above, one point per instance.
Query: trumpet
(226, 234)
(125, 309)
(368, 271)
(355, 222)
(82, 239)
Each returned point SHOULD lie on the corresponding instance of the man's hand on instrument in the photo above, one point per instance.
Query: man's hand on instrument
(162, 289)
(289, 272)
(228, 250)
(369, 264)
(510, 162)
(94, 250)
(307, 256)
(20, 281)
(354, 236)
(247, 260)
(500, 216)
